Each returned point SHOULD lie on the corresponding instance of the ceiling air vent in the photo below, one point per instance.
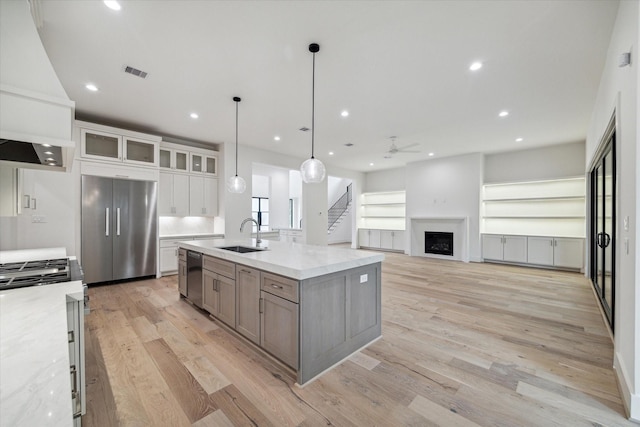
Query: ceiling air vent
(304, 129)
(135, 72)
(348, 144)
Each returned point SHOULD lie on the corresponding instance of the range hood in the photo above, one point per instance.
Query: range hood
(36, 115)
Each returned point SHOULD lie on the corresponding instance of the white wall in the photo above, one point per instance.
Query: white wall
(385, 180)
(555, 161)
(447, 187)
(618, 91)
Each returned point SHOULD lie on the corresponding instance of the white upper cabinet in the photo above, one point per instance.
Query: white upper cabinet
(204, 163)
(104, 143)
(175, 159)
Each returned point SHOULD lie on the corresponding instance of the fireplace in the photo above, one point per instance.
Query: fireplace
(439, 243)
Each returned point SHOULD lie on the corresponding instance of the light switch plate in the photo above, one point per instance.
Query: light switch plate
(364, 278)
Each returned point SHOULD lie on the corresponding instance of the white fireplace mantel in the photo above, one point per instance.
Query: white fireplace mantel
(458, 225)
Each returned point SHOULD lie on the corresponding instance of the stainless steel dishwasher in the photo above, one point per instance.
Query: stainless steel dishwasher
(194, 278)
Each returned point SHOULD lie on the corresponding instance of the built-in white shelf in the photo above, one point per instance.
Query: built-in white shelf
(383, 210)
(555, 208)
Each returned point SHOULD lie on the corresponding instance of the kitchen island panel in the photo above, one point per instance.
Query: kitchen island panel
(338, 316)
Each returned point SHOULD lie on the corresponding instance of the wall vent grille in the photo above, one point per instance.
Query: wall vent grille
(135, 72)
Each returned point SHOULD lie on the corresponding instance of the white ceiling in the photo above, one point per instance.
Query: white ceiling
(401, 68)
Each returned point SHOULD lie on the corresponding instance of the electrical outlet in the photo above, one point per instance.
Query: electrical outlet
(364, 278)
(38, 219)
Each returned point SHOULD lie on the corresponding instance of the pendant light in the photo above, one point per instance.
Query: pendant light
(312, 169)
(236, 184)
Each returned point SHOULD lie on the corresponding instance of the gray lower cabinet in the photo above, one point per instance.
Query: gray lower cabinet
(310, 325)
(182, 272)
(218, 290)
(248, 302)
(279, 328)
(75, 328)
(279, 317)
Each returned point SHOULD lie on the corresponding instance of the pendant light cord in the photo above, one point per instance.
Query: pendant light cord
(313, 103)
(236, 138)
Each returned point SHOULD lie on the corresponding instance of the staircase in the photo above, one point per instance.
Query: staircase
(339, 210)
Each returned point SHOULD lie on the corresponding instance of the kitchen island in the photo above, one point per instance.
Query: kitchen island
(308, 306)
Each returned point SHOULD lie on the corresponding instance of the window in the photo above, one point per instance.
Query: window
(260, 212)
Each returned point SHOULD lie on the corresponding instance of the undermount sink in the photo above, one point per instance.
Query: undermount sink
(242, 249)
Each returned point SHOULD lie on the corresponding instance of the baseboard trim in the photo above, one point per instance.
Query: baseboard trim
(630, 401)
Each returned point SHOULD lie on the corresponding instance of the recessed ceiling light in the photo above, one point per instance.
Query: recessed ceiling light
(194, 115)
(48, 153)
(91, 87)
(518, 139)
(112, 4)
(52, 163)
(276, 138)
(46, 145)
(344, 113)
(370, 164)
(49, 160)
(503, 113)
(331, 153)
(431, 154)
(475, 66)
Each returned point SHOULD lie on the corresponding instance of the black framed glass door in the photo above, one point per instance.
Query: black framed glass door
(603, 227)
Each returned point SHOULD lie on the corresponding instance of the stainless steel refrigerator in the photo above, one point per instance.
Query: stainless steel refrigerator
(119, 228)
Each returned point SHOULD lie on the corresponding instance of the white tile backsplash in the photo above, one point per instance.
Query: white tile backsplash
(169, 225)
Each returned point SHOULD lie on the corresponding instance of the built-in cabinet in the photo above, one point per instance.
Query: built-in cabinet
(261, 306)
(555, 251)
(118, 146)
(279, 317)
(169, 252)
(219, 289)
(203, 196)
(248, 303)
(173, 197)
(75, 338)
(188, 183)
(182, 271)
(539, 223)
(382, 221)
(504, 248)
(174, 159)
(561, 252)
(390, 240)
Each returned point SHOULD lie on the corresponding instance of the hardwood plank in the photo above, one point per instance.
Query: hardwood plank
(431, 411)
(238, 409)
(214, 419)
(195, 402)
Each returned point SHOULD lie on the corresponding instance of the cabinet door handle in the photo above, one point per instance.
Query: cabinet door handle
(34, 202)
(273, 285)
(74, 381)
(246, 271)
(71, 336)
(106, 225)
(118, 221)
(27, 201)
(261, 305)
(551, 242)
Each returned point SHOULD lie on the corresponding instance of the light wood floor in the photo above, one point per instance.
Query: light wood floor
(463, 345)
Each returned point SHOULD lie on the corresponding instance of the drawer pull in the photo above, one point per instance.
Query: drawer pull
(276, 286)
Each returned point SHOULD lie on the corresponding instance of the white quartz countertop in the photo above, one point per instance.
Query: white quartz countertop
(34, 355)
(186, 236)
(295, 260)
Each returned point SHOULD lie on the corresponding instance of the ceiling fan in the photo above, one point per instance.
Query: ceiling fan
(394, 149)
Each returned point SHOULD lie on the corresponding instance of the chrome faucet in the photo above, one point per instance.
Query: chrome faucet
(258, 241)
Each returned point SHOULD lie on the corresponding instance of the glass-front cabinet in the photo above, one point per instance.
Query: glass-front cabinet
(174, 159)
(202, 163)
(99, 145)
(141, 152)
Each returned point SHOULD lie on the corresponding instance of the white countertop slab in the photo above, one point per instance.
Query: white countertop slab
(186, 236)
(295, 260)
(19, 255)
(35, 388)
